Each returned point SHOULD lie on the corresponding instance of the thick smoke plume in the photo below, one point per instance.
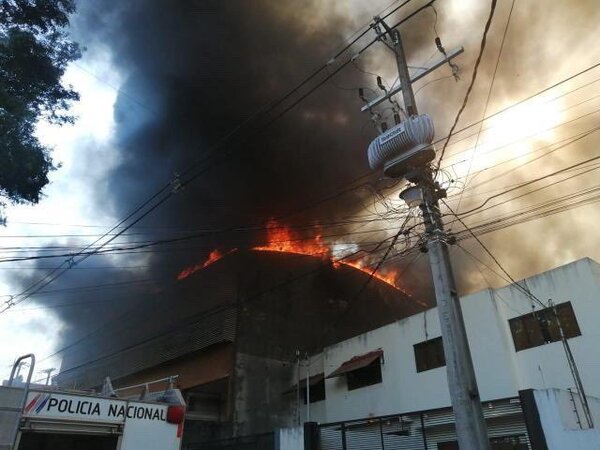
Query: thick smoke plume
(196, 70)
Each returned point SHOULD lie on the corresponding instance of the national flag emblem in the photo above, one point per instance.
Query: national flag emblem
(37, 403)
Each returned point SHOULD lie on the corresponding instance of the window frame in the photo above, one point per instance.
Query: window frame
(423, 354)
(317, 393)
(353, 378)
(540, 327)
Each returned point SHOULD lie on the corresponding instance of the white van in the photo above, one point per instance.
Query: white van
(50, 418)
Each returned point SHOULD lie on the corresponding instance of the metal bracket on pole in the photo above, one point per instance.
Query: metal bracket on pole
(453, 54)
(375, 116)
(471, 429)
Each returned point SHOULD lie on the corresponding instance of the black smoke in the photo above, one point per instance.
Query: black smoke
(193, 72)
(196, 70)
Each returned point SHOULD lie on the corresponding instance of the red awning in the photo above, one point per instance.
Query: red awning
(357, 362)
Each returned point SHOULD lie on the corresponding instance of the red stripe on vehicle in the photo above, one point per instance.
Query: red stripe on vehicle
(31, 403)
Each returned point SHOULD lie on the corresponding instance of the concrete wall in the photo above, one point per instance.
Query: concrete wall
(559, 421)
(316, 410)
(545, 366)
(289, 438)
(260, 405)
(501, 371)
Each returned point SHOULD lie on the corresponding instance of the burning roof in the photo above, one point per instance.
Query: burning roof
(283, 239)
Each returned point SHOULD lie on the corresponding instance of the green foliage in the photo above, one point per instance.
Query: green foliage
(34, 52)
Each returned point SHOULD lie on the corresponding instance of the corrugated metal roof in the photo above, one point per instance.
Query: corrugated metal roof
(357, 362)
(212, 328)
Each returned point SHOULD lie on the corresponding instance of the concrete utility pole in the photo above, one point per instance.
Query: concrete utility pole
(48, 372)
(471, 428)
(307, 388)
(298, 413)
(573, 367)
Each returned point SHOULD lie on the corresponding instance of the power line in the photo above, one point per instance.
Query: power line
(544, 209)
(536, 133)
(140, 303)
(115, 250)
(164, 241)
(406, 252)
(553, 147)
(203, 313)
(353, 300)
(489, 93)
(491, 255)
(471, 84)
(53, 275)
(369, 173)
(527, 183)
(514, 105)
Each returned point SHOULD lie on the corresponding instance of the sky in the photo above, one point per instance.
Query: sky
(155, 91)
(65, 206)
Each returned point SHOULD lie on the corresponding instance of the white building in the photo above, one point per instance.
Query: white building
(515, 344)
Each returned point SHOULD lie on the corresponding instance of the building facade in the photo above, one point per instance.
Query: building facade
(515, 344)
(231, 333)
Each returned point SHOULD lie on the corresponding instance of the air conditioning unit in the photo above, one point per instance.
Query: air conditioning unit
(404, 147)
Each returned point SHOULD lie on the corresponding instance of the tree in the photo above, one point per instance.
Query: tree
(34, 52)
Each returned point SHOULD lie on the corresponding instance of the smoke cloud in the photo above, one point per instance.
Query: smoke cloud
(195, 70)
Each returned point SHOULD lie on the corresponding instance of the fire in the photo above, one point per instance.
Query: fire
(214, 256)
(389, 277)
(282, 239)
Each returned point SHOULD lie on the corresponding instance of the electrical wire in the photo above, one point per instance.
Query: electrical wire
(489, 94)
(204, 313)
(528, 183)
(449, 135)
(471, 84)
(213, 154)
(522, 288)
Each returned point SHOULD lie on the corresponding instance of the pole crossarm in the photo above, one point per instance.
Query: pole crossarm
(395, 90)
(471, 428)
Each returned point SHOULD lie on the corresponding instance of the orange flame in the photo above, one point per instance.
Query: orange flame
(214, 256)
(282, 239)
(389, 277)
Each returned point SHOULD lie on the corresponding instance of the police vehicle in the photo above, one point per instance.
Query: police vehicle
(47, 418)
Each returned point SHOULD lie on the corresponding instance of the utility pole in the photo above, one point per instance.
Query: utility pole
(573, 367)
(405, 151)
(307, 387)
(298, 413)
(48, 372)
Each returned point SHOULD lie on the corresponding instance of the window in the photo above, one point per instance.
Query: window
(317, 391)
(362, 370)
(429, 354)
(365, 376)
(541, 327)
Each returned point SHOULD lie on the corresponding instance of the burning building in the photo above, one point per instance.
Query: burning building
(232, 327)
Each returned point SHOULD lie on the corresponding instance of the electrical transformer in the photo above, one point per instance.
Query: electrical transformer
(406, 146)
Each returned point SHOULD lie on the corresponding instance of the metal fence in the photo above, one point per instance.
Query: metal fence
(425, 430)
